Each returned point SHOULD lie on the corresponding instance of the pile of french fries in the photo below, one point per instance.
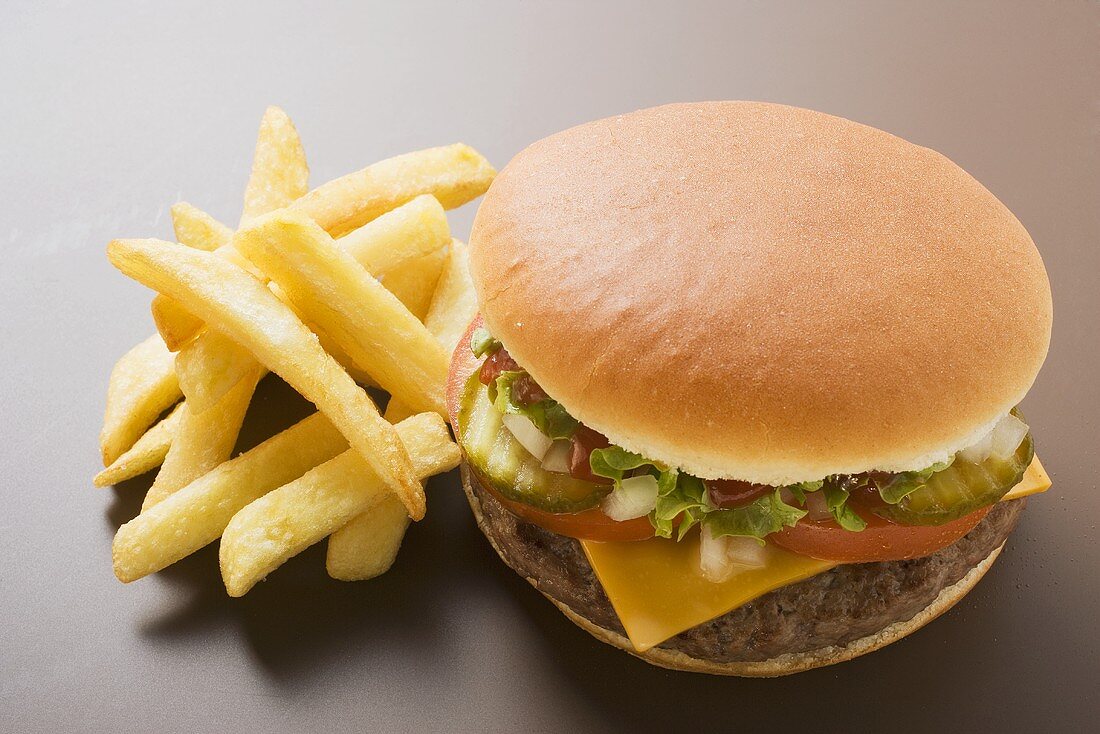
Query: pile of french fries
(354, 283)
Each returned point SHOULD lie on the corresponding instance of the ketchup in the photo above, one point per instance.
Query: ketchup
(583, 443)
(525, 390)
(865, 497)
(730, 493)
(496, 363)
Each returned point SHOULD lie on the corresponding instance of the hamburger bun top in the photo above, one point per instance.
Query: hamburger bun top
(761, 292)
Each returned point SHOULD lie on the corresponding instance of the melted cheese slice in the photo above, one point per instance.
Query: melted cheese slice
(1035, 481)
(658, 591)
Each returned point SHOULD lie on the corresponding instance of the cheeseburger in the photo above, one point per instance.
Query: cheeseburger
(742, 395)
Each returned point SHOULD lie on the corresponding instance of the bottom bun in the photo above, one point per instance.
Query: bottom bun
(835, 616)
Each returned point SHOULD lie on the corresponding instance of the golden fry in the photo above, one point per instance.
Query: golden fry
(203, 440)
(279, 175)
(244, 309)
(211, 366)
(217, 375)
(279, 170)
(175, 324)
(195, 228)
(414, 282)
(288, 520)
(198, 513)
(393, 239)
(367, 546)
(335, 292)
(392, 242)
(453, 174)
(146, 454)
(396, 411)
(454, 304)
(142, 385)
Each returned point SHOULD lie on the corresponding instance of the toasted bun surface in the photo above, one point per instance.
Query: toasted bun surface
(761, 292)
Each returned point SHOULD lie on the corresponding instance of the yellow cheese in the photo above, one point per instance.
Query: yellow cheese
(658, 591)
(1035, 481)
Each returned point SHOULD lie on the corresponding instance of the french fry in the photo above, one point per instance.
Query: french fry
(198, 513)
(175, 324)
(405, 249)
(367, 545)
(394, 241)
(454, 304)
(142, 385)
(195, 228)
(146, 454)
(247, 312)
(414, 282)
(288, 520)
(335, 292)
(398, 241)
(204, 438)
(279, 170)
(396, 411)
(212, 366)
(217, 375)
(279, 175)
(406, 233)
(453, 174)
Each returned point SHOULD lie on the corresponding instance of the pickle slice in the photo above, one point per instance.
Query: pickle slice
(958, 490)
(500, 460)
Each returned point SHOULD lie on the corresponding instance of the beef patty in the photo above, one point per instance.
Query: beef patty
(833, 608)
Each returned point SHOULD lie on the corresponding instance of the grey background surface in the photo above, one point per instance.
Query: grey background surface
(111, 112)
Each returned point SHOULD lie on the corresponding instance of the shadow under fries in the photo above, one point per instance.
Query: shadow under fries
(300, 622)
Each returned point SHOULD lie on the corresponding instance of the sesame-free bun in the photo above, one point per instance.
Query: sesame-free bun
(761, 292)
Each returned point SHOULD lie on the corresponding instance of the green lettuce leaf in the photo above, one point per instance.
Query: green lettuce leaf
(548, 415)
(482, 342)
(801, 489)
(614, 462)
(679, 495)
(836, 499)
(757, 519)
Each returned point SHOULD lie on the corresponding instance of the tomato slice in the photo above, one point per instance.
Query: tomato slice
(590, 524)
(463, 364)
(881, 540)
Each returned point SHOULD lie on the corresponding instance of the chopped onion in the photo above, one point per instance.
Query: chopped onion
(714, 562)
(557, 458)
(979, 452)
(816, 507)
(527, 433)
(634, 497)
(720, 558)
(1001, 441)
(1007, 436)
(745, 552)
